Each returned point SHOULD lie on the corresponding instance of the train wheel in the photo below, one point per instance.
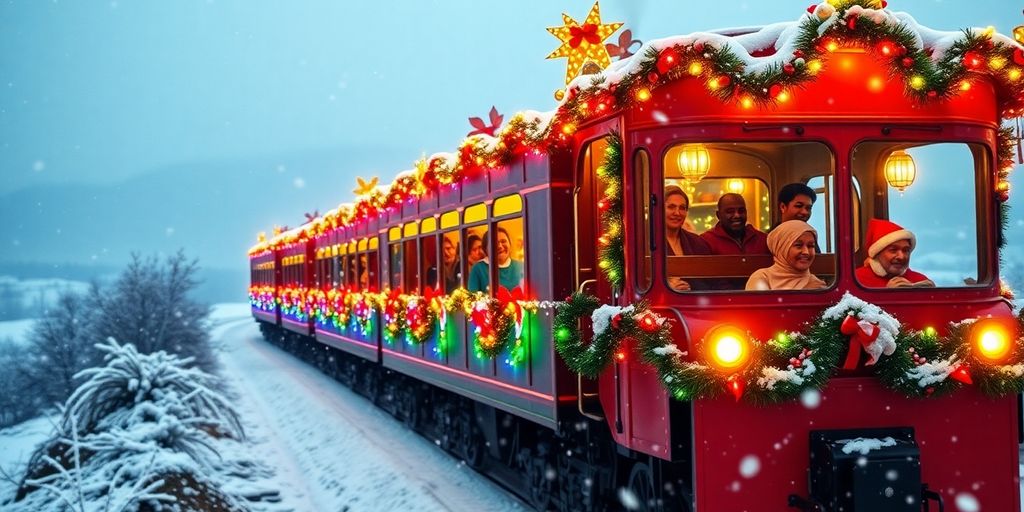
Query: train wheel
(473, 447)
(540, 483)
(641, 484)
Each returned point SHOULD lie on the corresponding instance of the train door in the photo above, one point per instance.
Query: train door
(588, 191)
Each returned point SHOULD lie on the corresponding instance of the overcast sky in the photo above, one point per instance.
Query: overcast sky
(98, 91)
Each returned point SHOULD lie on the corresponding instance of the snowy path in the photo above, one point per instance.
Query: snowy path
(332, 449)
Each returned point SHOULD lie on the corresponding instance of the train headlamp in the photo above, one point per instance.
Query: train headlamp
(992, 341)
(728, 348)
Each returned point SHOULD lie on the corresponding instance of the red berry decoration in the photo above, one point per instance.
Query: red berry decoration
(652, 77)
(852, 23)
(788, 68)
(932, 94)
(668, 59)
(1018, 56)
(698, 46)
(799, 54)
(972, 60)
(907, 62)
(812, 8)
(884, 4)
(774, 91)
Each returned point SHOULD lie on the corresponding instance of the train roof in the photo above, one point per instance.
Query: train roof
(750, 66)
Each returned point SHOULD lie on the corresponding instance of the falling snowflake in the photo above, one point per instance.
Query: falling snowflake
(299, 183)
(750, 466)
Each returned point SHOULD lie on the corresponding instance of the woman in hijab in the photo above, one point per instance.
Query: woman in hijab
(792, 246)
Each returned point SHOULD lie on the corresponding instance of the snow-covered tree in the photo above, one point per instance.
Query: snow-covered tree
(18, 401)
(60, 345)
(150, 305)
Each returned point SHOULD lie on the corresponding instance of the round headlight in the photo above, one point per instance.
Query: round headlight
(727, 347)
(992, 341)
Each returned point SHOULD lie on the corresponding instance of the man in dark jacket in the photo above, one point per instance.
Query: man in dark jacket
(732, 234)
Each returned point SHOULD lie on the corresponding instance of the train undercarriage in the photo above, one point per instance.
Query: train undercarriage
(576, 468)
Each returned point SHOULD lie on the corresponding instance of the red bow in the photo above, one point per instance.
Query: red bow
(861, 334)
(588, 31)
(505, 298)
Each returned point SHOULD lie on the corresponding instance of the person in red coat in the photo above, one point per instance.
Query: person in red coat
(732, 234)
(888, 263)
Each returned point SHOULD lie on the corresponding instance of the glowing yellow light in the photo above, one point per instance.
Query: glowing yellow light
(814, 66)
(746, 102)
(1018, 33)
(782, 97)
(917, 82)
(989, 31)
(832, 46)
(643, 94)
(965, 86)
(900, 170)
(1013, 74)
(694, 161)
(713, 84)
(735, 186)
(568, 128)
(991, 341)
(996, 63)
(876, 84)
(583, 50)
(696, 68)
(729, 348)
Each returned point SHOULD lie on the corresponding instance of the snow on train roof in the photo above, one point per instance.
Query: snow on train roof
(746, 56)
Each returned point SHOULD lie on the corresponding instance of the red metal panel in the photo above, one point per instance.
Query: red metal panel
(843, 90)
(968, 443)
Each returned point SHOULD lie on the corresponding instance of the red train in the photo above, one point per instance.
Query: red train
(684, 390)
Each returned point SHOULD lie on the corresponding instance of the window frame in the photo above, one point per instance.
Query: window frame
(986, 210)
(659, 224)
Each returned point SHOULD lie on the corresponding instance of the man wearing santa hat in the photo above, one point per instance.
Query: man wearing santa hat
(888, 264)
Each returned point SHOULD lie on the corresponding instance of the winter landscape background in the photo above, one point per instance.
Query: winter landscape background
(144, 128)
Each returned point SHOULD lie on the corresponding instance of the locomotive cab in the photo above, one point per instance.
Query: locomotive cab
(868, 152)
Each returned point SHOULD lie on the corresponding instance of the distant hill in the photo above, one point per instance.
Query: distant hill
(211, 209)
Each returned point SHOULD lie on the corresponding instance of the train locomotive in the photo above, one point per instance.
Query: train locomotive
(518, 301)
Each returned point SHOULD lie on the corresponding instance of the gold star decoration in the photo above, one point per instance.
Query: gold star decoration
(365, 187)
(583, 43)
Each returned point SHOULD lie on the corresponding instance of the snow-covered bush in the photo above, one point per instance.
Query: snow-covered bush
(141, 430)
(19, 399)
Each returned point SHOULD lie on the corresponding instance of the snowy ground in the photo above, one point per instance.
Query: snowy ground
(333, 450)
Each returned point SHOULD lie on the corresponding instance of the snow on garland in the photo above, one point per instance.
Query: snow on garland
(915, 363)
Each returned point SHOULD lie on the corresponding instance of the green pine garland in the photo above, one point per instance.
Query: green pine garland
(785, 367)
(612, 256)
(924, 79)
(591, 359)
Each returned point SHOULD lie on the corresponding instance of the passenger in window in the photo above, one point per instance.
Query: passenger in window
(452, 269)
(795, 202)
(364, 274)
(679, 241)
(475, 250)
(792, 244)
(888, 263)
(510, 271)
(732, 234)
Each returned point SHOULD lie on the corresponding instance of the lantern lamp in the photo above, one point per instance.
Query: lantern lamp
(900, 170)
(694, 161)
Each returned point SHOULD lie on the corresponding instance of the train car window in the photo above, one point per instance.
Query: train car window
(394, 265)
(510, 254)
(642, 209)
(428, 261)
(924, 218)
(371, 276)
(477, 244)
(411, 277)
(719, 203)
(451, 261)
